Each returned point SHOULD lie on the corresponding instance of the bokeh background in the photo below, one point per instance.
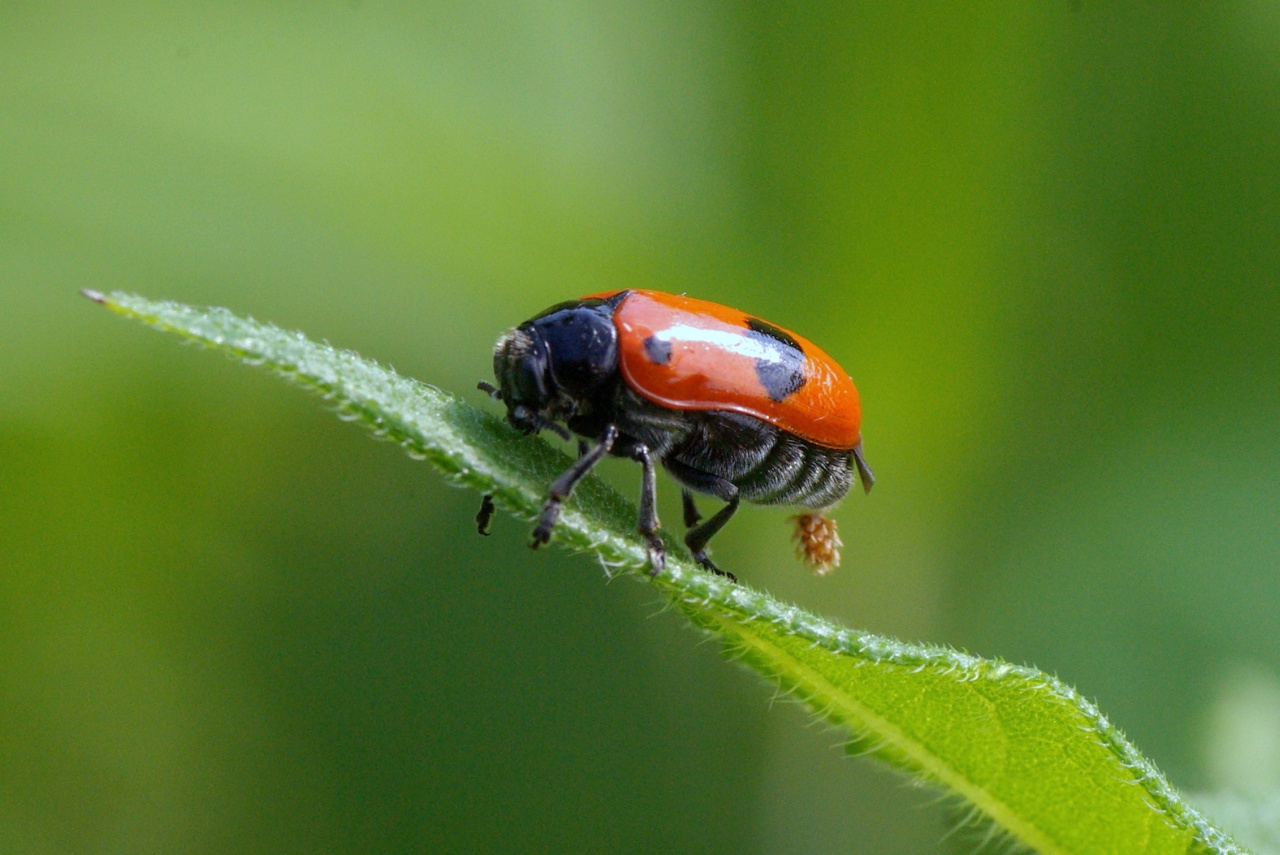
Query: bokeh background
(1043, 237)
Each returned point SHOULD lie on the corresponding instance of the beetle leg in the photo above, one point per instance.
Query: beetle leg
(691, 515)
(562, 487)
(697, 536)
(648, 523)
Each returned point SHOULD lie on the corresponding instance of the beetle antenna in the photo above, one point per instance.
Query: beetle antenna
(489, 389)
(556, 428)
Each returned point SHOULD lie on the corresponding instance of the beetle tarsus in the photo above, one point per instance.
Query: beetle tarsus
(546, 522)
(707, 564)
(657, 554)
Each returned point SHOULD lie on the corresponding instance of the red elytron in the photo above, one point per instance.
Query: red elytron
(690, 354)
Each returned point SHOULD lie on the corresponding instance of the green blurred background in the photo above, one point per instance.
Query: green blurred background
(1043, 237)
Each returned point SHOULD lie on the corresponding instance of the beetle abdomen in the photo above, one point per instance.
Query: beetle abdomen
(796, 472)
(768, 465)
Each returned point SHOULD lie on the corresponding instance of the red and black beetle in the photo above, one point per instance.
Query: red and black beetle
(731, 405)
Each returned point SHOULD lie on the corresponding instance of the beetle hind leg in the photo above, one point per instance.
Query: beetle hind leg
(701, 531)
(700, 534)
(691, 515)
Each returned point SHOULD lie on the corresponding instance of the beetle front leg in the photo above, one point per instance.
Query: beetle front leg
(562, 487)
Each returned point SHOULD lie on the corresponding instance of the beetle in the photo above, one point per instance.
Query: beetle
(731, 405)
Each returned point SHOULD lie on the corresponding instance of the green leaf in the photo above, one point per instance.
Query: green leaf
(1021, 747)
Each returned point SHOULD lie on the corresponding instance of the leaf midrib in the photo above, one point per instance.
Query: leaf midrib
(862, 717)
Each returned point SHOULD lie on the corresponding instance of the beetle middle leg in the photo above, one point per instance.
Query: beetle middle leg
(562, 487)
(647, 524)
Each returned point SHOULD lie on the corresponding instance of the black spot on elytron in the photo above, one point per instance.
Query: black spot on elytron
(782, 372)
(767, 329)
(780, 379)
(658, 351)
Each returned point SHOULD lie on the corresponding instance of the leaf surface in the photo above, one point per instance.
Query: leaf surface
(1021, 747)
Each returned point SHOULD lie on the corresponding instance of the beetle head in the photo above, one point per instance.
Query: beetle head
(521, 365)
(549, 368)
